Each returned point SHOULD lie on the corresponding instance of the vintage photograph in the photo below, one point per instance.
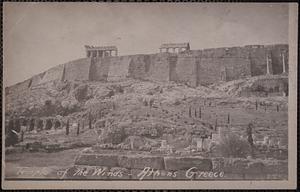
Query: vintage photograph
(147, 92)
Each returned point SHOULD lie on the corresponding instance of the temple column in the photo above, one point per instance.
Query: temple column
(116, 52)
(268, 65)
(283, 63)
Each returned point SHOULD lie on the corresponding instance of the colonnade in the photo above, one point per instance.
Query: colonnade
(174, 49)
(101, 53)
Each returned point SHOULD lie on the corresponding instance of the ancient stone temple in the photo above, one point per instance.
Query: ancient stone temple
(175, 47)
(101, 51)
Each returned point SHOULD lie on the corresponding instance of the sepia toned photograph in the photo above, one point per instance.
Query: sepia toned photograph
(149, 95)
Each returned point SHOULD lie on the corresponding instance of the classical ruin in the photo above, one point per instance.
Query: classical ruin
(104, 51)
(191, 67)
(179, 46)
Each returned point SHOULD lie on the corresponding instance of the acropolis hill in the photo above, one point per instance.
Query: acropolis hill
(191, 67)
(172, 110)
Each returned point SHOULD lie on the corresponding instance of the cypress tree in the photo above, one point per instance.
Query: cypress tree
(256, 105)
(90, 121)
(67, 127)
(78, 128)
(228, 118)
(200, 112)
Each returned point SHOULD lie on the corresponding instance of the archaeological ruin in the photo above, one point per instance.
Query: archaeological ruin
(183, 65)
(179, 46)
(104, 51)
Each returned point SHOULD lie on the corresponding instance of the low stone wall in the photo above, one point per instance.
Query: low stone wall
(143, 167)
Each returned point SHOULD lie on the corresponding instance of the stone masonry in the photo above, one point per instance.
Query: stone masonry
(192, 67)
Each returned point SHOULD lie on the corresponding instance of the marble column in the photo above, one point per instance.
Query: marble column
(268, 65)
(283, 63)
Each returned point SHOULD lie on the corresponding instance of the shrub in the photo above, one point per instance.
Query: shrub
(233, 146)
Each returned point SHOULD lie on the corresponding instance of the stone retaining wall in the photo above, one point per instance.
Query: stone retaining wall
(196, 67)
(145, 167)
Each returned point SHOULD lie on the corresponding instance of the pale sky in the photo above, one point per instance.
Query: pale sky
(38, 36)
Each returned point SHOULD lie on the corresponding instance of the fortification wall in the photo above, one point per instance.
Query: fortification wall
(118, 68)
(139, 66)
(195, 67)
(236, 67)
(99, 69)
(55, 73)
(268, 87)
(36, 80)
(221, 64)
(186, 69)
(162, 62)
(19, 87)
(77, 69)
(258, 60)
(209, 70)
(277, 61)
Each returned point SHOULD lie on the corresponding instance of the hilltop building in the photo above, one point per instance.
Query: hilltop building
(103, 51)
(176, 47)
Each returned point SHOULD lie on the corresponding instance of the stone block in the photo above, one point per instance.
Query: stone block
(108, 160)
(185, 163)
(140, 162)
(255, 168)
(276, 167)
(218, 164)
(235, 165)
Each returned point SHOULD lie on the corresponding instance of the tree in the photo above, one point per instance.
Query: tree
(67, 127)
(78, 128)
(200, 112)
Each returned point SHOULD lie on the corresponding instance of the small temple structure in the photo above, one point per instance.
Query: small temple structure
(175, 47)
(100, 51)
